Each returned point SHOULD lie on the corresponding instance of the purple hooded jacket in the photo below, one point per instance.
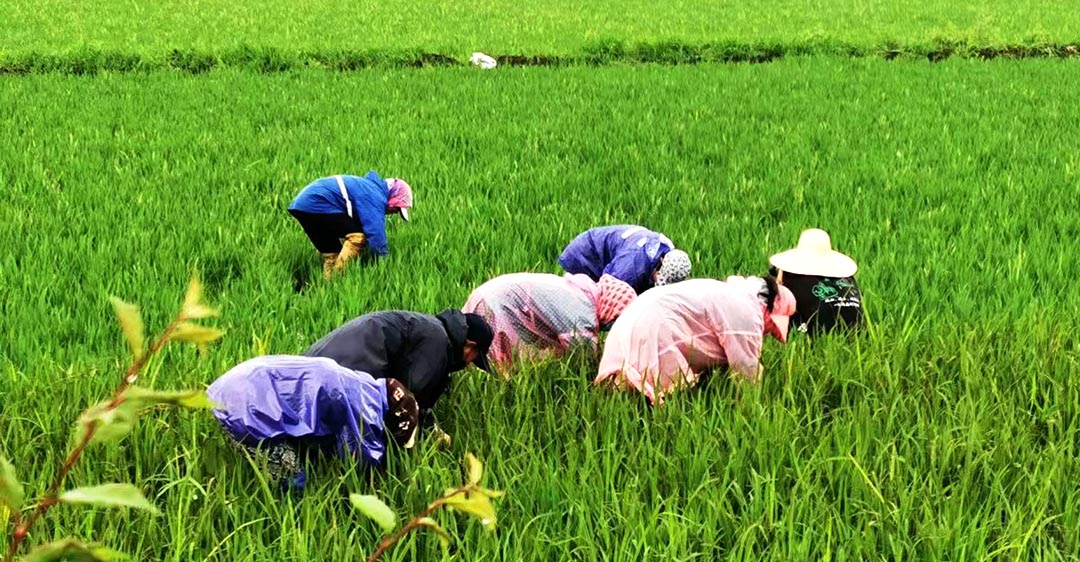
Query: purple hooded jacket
(282, 396)
(627, 252)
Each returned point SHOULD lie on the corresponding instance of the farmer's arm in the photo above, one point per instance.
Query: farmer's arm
(740, 329)
(744, 355)
(369, 449)
(426, 369)
(631, 267)
(373, 220)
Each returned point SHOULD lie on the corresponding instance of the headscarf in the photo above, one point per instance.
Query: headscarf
(403, 415)
(615, 295)
(400, 194)
(778, 319)
(674, 268)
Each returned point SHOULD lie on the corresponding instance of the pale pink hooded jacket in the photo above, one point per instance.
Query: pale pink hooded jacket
(669, 335)
(540, 315)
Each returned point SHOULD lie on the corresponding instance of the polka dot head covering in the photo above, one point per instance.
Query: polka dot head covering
(674, 268)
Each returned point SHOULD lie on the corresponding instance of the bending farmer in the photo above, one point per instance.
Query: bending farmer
(670, 335)
(823, 282)
(540, 315)
(284, 408)
(353, 209)
(630, 253)
(418, 350)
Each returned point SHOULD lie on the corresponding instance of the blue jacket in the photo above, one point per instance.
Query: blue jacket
(369, 196)
(280, 396)
(627, 252)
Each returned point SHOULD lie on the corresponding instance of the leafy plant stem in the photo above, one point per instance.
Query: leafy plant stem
(389, 541)
(22, 527)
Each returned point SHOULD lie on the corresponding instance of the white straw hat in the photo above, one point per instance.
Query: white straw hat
(814, 256)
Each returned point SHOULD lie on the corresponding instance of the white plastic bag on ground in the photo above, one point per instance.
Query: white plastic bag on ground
(483, 61)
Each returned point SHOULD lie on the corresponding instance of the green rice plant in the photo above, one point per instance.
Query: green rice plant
(275, 35)
(107, 421)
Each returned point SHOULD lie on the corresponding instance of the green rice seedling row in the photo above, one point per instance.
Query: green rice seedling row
(546, 27)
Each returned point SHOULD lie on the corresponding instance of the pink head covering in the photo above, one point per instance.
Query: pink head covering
(400, 196)
(776, 322)
(615, 295)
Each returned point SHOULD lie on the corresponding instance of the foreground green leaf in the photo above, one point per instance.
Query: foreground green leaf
(375, 509)
(72, 550)
(113, 423)
(11, 490)
(444, 537)
(132, 325)
(476, 469)
(193, 294)
(490, 493)
(193, 333)
(107, 423)
(194, 308)
(477, 505)
(110, 495)
(195, 399)
(198, 311)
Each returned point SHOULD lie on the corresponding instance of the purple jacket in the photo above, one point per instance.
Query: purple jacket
(626, 252)
(292, 396)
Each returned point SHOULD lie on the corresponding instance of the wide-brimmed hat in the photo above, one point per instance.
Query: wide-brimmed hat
(814, 256)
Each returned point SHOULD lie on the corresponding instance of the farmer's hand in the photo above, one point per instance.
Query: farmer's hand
(356, 238)
(427, 421)
(442, 438)
(752, 375)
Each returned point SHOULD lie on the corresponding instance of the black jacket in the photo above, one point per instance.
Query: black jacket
(824, 304)
(419, 350)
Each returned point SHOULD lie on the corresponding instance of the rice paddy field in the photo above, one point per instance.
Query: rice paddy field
(524, 27)
(949, 429)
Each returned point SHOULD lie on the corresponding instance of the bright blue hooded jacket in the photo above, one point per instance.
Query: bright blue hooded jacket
(627, 252)
(369, 196)
(283, 396)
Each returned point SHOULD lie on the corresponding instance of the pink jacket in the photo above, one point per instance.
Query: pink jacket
(669, 335)
(540, 315)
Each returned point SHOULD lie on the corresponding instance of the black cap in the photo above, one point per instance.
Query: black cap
(480, 332)
(403, 415)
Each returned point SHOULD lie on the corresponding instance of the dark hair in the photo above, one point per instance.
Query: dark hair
(769, 292)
